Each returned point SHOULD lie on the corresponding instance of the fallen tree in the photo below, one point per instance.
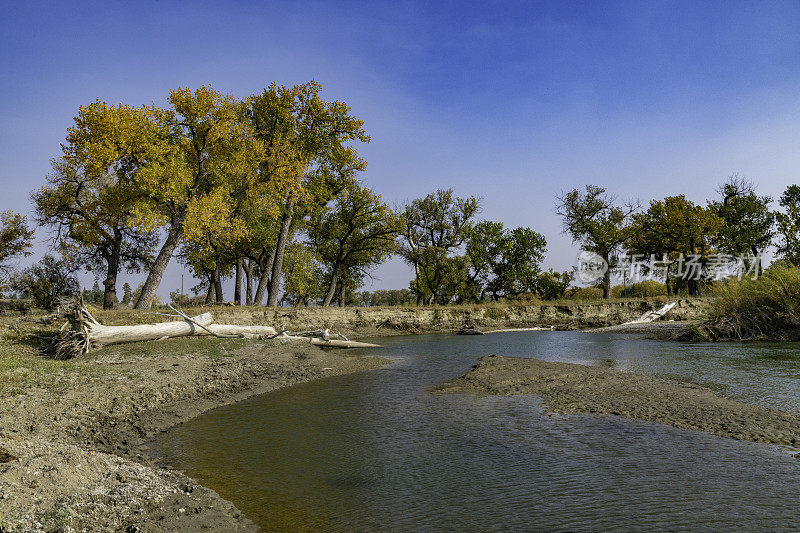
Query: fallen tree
(83, 333)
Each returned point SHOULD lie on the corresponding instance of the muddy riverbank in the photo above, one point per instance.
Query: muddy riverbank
(71, 455)
(569, 388)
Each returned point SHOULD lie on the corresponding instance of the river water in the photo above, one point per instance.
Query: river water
(376, 452)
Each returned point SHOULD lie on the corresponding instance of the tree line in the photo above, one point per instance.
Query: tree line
(268, 190)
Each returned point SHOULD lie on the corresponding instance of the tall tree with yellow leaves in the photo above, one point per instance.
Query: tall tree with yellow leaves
(312, 133)
(193, 190)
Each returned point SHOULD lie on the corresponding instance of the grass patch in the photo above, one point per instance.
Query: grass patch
(763, 308)
(199, 346)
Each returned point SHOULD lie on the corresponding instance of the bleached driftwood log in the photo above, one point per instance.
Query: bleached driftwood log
(336, 343)
(83, 333)
(234, 330)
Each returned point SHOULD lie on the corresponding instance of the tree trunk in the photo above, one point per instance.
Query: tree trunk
(248, 281)
(277, 265)
(237, 288)
(263, 279)
(100, 335)
(218, 285)
(606, 280)
(150, 286)
(332, 286)
(110, 283)
(210, 295)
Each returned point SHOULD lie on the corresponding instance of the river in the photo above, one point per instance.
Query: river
(376, 452)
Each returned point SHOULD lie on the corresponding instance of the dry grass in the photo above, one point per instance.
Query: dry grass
(763, 308)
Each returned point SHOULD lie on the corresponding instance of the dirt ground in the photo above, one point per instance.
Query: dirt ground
(568, 388)
(71, 434)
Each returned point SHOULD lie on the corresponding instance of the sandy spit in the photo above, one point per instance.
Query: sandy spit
(72, 458)
(569, 388)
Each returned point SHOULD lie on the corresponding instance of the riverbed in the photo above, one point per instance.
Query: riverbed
(377, 451)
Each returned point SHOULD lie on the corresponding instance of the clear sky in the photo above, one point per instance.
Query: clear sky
(511, 101)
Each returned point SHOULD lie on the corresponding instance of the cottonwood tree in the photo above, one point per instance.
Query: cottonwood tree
(483, 250)
(433, 228)
(675, 227)
(91, 213)
(593, 219)
(212, 162)
(788, 225)
(15, 240)
(504, 261)
(748, 228)
(93, 191)
(302, 275)
(357, 232)
(297, 120)
(518, 266)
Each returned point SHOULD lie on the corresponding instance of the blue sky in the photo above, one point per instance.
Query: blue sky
(511, 101)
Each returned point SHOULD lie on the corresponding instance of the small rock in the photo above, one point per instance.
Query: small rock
(6, 456)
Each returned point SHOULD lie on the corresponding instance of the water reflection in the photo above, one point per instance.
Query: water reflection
(375, 451)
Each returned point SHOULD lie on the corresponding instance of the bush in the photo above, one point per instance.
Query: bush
(552, 285)
(643, 289)
(185, 300)
(767, 307)
(585, 293)
(46, 283)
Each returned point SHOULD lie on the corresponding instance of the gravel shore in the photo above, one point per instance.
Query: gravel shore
(71, 452)
(570, 388)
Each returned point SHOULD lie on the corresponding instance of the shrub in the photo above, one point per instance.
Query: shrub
(46, 283)
(185, 300)
(585, 293)
(552, 285)
(643, 289)
(767, 307)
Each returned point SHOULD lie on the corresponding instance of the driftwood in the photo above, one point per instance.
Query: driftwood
(652, 315)
(83, 333)
(335, 343)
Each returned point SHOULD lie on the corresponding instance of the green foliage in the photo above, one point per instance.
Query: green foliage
(302, 283)
(788, 225)
(642, 289)
(387, 298)
(355, 234)
(46, 283)
(593, 219)
(504, 262)
(748, 228)
(675, 226)
(767, 307)
(552, 285)
(517, 269)
(93, 296)
(308, 161)
(15, 239)
(433, 228)
(585, 293)
(184, 300)
(126, 294)
(91, 214)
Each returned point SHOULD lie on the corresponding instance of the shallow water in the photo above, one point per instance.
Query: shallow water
(376, 451)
